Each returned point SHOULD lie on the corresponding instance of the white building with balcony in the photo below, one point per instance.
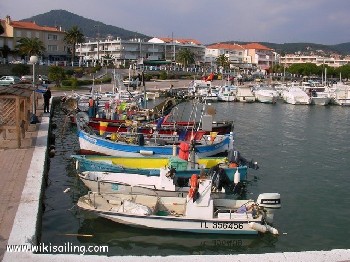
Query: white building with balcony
(291, 59)
(156, 50)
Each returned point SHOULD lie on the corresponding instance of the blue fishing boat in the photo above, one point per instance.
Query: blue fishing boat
(136, 144)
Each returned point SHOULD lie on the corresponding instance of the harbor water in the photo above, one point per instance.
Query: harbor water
(303, 154)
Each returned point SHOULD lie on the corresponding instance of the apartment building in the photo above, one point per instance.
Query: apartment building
(234, 52)
(260, 55)
(291, 59)
(52, 37)
(153, 51)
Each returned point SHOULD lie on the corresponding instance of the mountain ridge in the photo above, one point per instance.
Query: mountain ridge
(92, 29)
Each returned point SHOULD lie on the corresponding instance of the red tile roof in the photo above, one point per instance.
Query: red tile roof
(256, 46)
(226, 46)
(180, 40)
(32, 26)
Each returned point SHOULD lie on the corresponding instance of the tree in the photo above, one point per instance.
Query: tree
(2, 30)
(306, 69)
(30, 46)
(20, 70)
(5, 51)
(73, 37)
(185, 57)
(223, 61)
(56, 73)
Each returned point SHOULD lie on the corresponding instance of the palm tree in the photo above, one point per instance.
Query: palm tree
(30, 46)
(223, 61)
(73, 37)
(185, 57)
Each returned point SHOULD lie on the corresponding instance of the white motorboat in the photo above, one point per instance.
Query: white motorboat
(199, 212)
(265, 94)
(167, 183)
(296, 96)
(245, 94)
(341, 95)
(203, 90)
(227, 93)
(319, 94)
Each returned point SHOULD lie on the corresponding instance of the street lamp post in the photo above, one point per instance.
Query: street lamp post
(34, 59)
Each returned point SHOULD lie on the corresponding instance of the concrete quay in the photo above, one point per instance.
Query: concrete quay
(22, 185)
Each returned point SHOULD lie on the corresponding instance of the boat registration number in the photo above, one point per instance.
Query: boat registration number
(222, 225)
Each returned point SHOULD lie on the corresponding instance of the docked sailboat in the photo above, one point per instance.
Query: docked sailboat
(199, 212)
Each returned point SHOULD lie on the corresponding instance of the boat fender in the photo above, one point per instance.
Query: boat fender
(272, 230)
(237, 177)
(193, 186)
(146, 152)
(263, 228)
(258, 227)
(77, 165)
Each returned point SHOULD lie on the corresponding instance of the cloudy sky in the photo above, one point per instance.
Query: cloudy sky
(208, 21)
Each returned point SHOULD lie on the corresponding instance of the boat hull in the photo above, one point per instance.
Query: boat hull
(227, 223)
(99, 145)
(141, 182)
(183, 225)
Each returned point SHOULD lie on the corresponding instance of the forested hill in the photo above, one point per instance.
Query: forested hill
(92, 28)
(89, 27)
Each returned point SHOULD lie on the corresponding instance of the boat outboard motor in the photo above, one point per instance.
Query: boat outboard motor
(220, 179)
(235, 156)
(270, 202)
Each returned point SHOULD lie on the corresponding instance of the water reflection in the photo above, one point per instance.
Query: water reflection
(121, 239)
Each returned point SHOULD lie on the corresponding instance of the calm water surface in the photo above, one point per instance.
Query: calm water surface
(303, 154)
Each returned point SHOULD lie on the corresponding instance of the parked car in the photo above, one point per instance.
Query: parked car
(9, 80)
(27, 78)
(43, 79)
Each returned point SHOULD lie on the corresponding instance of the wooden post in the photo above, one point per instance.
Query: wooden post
(18, 122)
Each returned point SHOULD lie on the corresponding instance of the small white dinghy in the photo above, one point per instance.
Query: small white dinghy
(199, 212)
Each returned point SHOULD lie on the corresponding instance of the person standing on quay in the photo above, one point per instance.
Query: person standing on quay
(47, 96)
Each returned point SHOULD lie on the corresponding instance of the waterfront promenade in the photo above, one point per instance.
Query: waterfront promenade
(21, 191)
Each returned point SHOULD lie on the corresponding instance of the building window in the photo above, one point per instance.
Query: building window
(29, 34)
(52, 48)
(37, 34)
(52, 37)
(18, 33)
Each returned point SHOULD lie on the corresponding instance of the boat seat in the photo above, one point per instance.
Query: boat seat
(149, 201)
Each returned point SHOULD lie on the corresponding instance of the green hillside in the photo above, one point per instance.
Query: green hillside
(92, 28)
(89, 27)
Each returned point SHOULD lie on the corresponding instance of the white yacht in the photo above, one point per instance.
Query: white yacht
(319, 94)
(265, 94)
(245, 94)
(204, 90)
(227, 93)
(296, 96)
(341, 94)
